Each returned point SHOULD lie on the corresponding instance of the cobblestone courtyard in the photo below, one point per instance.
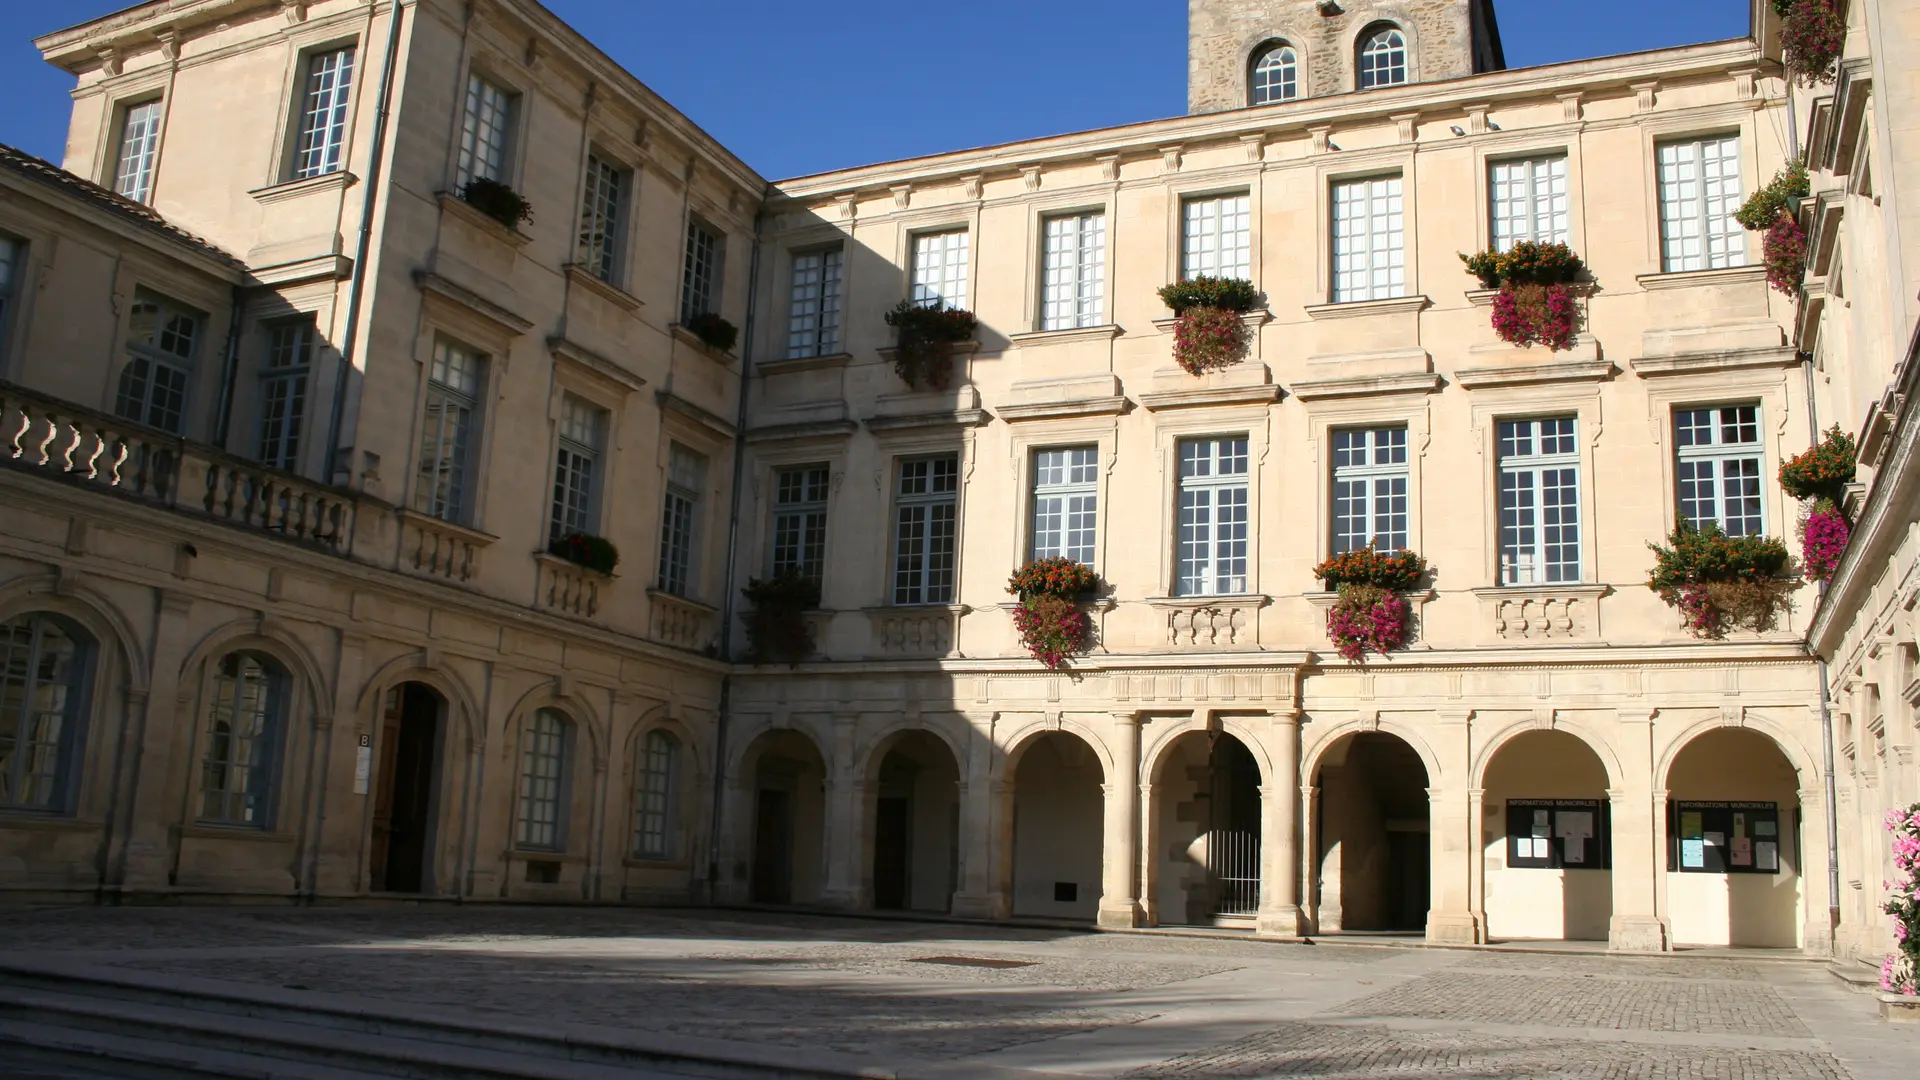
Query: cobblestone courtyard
(1107, 1005)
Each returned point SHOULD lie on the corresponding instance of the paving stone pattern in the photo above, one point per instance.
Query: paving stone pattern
(1589, 1002)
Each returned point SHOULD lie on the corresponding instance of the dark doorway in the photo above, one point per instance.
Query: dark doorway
(403, 805)
(1233, 833)
(1374, 837)
(1409, 880)
(773, 848)
(892, 857)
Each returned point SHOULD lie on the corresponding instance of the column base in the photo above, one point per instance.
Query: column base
(1637, 933)
(1120, 915)
(987, 906)
(1281, 922)
(1455, 928)
(841, 899)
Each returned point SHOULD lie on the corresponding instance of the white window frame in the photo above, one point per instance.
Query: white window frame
(1529, 198)
(1372, 485)
(814, 301)
(1383, 58)
(1216, 236)
(1073, 270)
(456, 380)
(1699, 189)
(45, 731)
(680, 519)
(284, 381)
(1213, 502)
(940, 267)
(926, 533)
(1526, 536)
(799, 536)
(700, 278)
(1369, 238)
(656, 792)
(540, 813)
(156, 372)
(325, 92)
(576, 468)
(1275, 76)
(139, 148)
(1065, 503)
(603, 215)
(486, 131)
(253, 693)
(1729, 467)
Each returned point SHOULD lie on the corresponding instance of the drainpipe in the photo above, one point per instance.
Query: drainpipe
(357, 285)
(1826, 712)
(733, 556)
(229, 370)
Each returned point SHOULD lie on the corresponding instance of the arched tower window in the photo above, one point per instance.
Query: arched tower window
(43, 669)
(1383, 57)
(1276, 75)
(244, 726)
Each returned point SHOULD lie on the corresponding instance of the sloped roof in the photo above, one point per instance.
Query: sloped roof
(23, 164)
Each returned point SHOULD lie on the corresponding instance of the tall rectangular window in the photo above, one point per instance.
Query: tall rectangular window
(1216, 238)
(1719, 468)
(603, 217)
(1699, 191)
(1369, 240)
(925, 508)
(1075, 265)
(800, 522)
(449, 433)
(700, 286)
(1369, 489)
(139, 147)
(486, 131)
(813, 316)
(940, 269)
(323, 114)
(242, 729)
(1212, 543)
(575, 469)
(283, 392)
(13, 253)
(1066, 503)
(679, 519)
(654, 796)
(1539, 502)
(1528, 200)
(162, 338)
(543, 773)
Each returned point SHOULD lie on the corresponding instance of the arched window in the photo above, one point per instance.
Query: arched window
(653, 800)
(543, 782)
(43, 667)
(243, 735)
(1276, 75)
(1383, 58)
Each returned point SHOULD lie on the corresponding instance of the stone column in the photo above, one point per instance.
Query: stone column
(1280, 833)
(841, 845)
(1639, 872)
(1477, 858)
(1310, 858)
(1119, 899)
(156, 724)
(1450, 918)
(979, 895)
(1818, 937)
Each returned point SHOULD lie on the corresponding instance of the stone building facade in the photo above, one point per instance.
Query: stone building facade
(1548, 759)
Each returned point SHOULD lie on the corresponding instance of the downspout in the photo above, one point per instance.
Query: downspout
(230, 370)
(733, 553)
(357, 285)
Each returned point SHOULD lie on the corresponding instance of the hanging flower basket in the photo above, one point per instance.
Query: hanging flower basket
(1824, 533)
(1901, 972)
(1763, 206)
(1370, 615)
(1535, 305)
(777, 627)
(1785, 252)
(1812, 35)
(1824, 470)
(1208, 333)
(713, 331)
(1049, 619)
(498, 201)
(923, 351)
(1720, 583)
(596, 553)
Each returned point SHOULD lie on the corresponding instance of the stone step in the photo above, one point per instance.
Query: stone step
(1857, 975)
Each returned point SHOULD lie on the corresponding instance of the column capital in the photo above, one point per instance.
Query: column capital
(1126, 717)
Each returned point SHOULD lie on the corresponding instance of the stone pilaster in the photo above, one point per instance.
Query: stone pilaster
(146, 861)
(1119, 895)
(842, 844)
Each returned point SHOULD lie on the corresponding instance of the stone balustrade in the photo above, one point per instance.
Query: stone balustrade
(680, 622)
(916, 631)
(440, 549)
(569, 588)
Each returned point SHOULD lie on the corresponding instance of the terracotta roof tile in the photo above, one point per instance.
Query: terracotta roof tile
(24, 164)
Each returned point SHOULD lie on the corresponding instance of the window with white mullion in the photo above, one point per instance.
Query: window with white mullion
(1370, 489)
(926, 504)
(283, 392)
(601, 217)
(1211, 546)
(1719, 468)
(323, 114)
(679, 518)
(1276, 77)
(1066, 503)
(576, 462)
(139, 144)
(653, 802)
(161, 341)
(1699, 192)
(702, 272)
(42, 669)
(242, 731)
(543, 767)
(800, 522)
(1383, 58)
(1528, 198)
(448, 432)
(813, 321)
(485, 130)
(940, 269)
(1539, 502)
(1217, 238)
(1075, 265)
(1369, 240)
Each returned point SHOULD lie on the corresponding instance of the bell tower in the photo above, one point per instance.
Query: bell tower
(1262, 52)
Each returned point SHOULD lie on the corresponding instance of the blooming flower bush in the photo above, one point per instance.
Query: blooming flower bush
(596, 553)
(1901, 972)
(777, 629)
(923, 355)
(1784, 250)
(1049, 620)
(1719, 582)
(1395, 571)
(1208, 333)
(1763, 206)
(1535, 305)
(1823, 539)
(1824, 470)
(497, 201)
(1370, 614)
(1811, 38)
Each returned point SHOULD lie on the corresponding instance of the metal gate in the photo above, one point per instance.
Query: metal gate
(1233, 861)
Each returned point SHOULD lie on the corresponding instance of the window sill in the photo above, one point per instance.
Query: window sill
(1253, 600)
(312, 185)
(960, 348)
(46, 820)
(1546, 371)
(686, 336)
(605, 290)
(1210, 623)
(460, 208)
(559, 565)
(1328, 599)
(1039, 338)
(1687, 279)
(641, 862)
(429, 523)
(1484, 297)
(804, 363)
(1365, 386)
(1360, 309)
(244, 833)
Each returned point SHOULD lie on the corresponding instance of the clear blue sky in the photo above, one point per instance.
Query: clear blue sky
(801, 88)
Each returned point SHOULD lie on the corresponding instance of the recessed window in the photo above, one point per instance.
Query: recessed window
(242, 736)
(1699, 191)
(926, 502)
(813, 317)
(940, 269)
(700, 286)
(1383, 58)
(543, 774)
(1528, 200)
(139, 148)
(44, 662)
(1369, 240)
(1719, 465)
(1369, 489)
(13, 254)
(323, 114)
(486, 132)
(655, 795)
(1539, 502)
(1066, 503)
(1211, 545)
(603, 217)
(800, 522)
(283, 392)
(162, 338)
(679, 519)
(1216, 237)
(576, 467)
(449, 433)
(1276, 75)
(1075, 265)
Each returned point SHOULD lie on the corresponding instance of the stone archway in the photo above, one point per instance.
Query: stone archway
(1373, 848)
(786, 818)
(913, 815)
(1548, 840)
(1058, 821)
(1734, 853)
(409, 754)
(1206, 815)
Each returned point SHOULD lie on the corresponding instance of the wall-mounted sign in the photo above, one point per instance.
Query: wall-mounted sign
(1726, 838)
(363, 764)
(1546, 834)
